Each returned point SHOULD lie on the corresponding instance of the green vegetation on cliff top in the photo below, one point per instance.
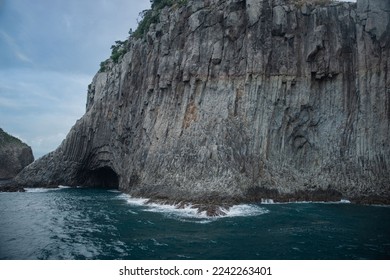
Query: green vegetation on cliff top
(6, 138)
(148, 17)
(152, 15)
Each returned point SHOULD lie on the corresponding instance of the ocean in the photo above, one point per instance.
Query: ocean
(86, 223)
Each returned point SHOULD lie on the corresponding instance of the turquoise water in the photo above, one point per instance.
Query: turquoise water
(102, 224)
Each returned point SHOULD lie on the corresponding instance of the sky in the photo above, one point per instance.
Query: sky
(49, 52)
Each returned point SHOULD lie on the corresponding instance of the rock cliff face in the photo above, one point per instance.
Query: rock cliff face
(232, 100)
(14, 156)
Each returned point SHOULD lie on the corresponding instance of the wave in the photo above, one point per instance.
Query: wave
(133, 200)
(267, 201)
(39, 190)
(42, 190)
(246, 210)
(114, 191)
(379, 205)
(342, 201)
(271, 201)
(36, 190)
(191, 213)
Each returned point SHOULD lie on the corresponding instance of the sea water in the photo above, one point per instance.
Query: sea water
(85, 223)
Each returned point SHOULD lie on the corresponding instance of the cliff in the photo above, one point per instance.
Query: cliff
(14, 155)
(231, 101)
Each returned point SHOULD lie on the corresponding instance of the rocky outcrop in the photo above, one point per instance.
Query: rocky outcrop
(14, 156)
(230, 101)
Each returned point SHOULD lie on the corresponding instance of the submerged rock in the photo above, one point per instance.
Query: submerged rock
(229, 101)
(9, 187)
(14, 155)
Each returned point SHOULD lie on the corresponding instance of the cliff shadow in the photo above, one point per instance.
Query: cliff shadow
(103, 177)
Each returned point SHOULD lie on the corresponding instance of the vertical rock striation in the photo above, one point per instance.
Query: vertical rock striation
(230, 101)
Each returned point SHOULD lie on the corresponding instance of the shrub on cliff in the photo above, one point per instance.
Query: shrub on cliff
(118, 50)
(151, 16)
(147, 18)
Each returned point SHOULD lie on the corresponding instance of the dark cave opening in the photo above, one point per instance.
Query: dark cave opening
(103, 177)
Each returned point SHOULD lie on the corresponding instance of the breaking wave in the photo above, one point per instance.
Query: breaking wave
(190, 213)
(42, 190)
(271, 201)
(114, 191)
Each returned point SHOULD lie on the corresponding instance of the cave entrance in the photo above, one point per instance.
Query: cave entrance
(103, 177)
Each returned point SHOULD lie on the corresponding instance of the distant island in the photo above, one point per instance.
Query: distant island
(14, 156)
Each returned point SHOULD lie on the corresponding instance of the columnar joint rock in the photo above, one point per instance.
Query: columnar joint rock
(231, 101)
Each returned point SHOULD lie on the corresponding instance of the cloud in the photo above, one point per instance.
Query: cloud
(73, 35)
(68, 22)
(13, 46)
(22, 57)
(41, 107)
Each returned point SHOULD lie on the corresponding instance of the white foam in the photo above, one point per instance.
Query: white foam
(156, 243)
(133, 200)
(171, 210)
(267, 201)
(42, 190)
(190, 213)
(270, 201)
(246, 210)
(38, 190)
(114, 191)
(379, 205)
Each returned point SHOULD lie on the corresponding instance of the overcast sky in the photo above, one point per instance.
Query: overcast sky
(49, 52)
